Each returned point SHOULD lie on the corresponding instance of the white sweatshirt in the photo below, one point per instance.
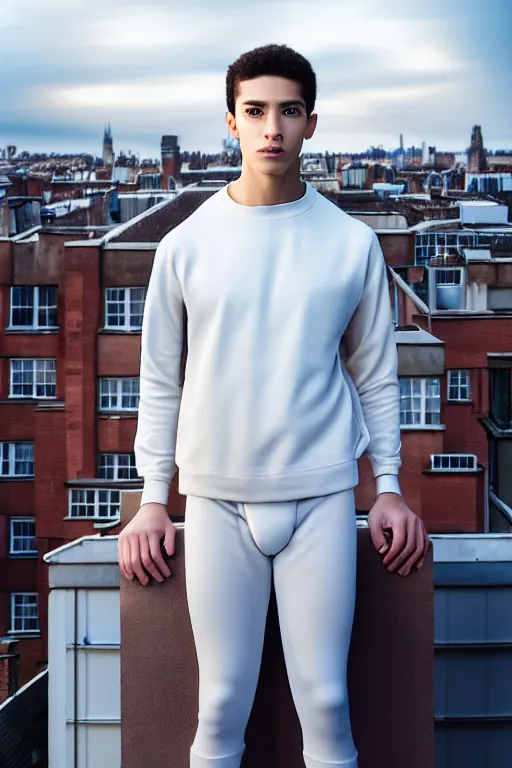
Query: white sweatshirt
(273, 406)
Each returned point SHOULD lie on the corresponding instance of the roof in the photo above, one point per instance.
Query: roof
(453, 548)
(418, 336)
(24, 726)
(161, 219)
(433, 223)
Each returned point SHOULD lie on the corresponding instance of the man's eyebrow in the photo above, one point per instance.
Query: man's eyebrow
(294, 103)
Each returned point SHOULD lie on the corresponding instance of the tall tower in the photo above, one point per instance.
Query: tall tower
(171, 162)
(476, 156)
(108, 147)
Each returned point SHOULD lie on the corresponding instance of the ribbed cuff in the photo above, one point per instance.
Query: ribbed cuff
(156, 491)
(388, 484)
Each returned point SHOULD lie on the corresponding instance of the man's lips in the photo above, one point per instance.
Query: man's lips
(271, 151)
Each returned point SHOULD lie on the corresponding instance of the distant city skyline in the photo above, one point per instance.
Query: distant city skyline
(430, 72)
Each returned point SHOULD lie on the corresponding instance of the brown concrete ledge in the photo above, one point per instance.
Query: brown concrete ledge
(391, 672)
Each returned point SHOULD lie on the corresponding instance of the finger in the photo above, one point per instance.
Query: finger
(120, 557)
(409, 545)
(398, 539)
(146, 559)
(417, 553)
(125, 549)
(379, 539)
(169, 539)
(135, 560)
(156, 555)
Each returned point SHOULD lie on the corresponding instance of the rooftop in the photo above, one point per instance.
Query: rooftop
(413, 334)
(153, 224)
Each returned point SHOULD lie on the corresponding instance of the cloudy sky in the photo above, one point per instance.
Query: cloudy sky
(430, 70)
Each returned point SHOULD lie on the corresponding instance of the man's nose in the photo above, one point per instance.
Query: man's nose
(273, 125)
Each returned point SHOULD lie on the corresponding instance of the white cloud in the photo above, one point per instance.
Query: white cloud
(161, 65)
(188, 92)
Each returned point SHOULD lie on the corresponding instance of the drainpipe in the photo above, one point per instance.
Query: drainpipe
(487, 520)
(75, 683)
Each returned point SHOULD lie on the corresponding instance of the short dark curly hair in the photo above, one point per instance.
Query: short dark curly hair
(272, 60)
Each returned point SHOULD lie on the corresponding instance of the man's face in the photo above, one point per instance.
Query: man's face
(270, 110)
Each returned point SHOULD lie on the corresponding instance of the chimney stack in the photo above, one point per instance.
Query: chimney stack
(171, 162)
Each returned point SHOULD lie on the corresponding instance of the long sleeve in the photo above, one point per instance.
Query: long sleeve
(369, 352)
(160, 387)
(388, 484)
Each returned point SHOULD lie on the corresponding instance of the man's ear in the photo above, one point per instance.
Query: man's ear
(311, 126)
(231, 122)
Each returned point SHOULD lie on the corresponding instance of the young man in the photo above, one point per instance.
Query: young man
(291, 375)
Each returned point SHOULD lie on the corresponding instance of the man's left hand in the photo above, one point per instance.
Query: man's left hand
(409, 540)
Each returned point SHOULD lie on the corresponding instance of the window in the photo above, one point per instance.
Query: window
(117, 466)
(420, 402)
(429, 245)
(499, 299)
(453, 462)
(458, 385)
(94, 503)
(124, 308)
(34, 307)
(448, 276)
(119, 394)
(16, 459)
(500, 396)
(24, 612)
(23, 534)
(33, 378)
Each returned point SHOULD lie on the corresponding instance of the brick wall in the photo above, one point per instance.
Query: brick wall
(398, 249)
(81, 323)
(453, 503)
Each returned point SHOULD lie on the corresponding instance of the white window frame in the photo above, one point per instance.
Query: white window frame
(8, 452)
(422, 395)
(38, 367)
(124, 300)
(112, 387)
(16, 536)
(448, 276)
(96, 504)
(117, 462)
(36, 307)
(29, 601)
(455, 380)
(429, 245)
(451, 462)
(436, 243)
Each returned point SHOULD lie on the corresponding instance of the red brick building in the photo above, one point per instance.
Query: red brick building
(71, 307)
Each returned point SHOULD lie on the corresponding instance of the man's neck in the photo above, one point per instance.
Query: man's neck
(254, 189)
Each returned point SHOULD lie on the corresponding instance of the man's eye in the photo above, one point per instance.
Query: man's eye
(252, 109)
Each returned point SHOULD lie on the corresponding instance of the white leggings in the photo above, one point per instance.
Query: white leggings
(230, 551)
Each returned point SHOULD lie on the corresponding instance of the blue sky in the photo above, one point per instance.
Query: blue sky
(158, 67)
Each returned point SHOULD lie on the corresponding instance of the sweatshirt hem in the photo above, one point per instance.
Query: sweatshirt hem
(264, 488)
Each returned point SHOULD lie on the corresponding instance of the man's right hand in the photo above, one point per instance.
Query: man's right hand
(139, 544)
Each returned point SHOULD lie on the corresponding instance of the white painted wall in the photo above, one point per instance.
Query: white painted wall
(84, 682)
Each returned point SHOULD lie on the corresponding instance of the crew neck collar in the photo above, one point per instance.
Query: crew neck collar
(279, 211)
